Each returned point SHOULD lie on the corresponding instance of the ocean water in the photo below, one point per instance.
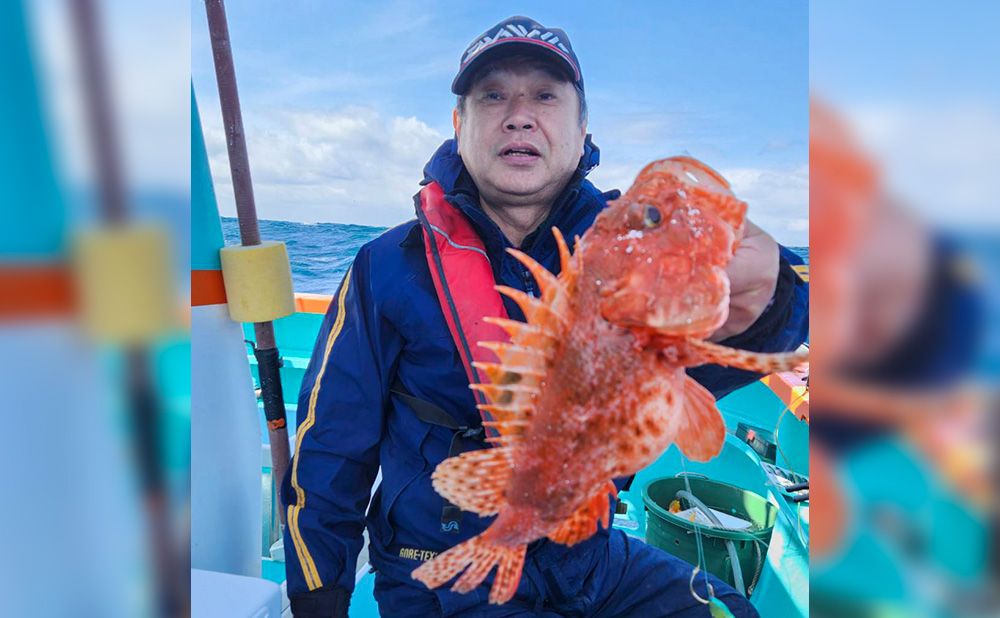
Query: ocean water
(321, 253)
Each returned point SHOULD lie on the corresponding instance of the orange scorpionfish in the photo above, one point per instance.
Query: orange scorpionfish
(593, 386)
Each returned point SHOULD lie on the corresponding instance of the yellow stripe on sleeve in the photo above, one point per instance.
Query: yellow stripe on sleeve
(313, 580)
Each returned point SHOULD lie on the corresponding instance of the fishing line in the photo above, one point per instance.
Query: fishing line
(697, 540)
(701, 566)
(777, 426)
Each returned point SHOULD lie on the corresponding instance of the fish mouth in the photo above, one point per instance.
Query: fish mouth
(627, 303)
(520, 151)
(702, 326)
(636, 312)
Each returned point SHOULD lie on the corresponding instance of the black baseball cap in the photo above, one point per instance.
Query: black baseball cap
(516, 34)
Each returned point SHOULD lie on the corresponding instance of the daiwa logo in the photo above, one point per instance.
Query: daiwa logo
(451, 526)
(513, 30)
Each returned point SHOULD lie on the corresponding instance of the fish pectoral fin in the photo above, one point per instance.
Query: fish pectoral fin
(702, 431)
(582, 524)
(475, 481)
(476, 557)
(758, 362)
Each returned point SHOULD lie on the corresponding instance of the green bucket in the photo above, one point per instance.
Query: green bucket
(676, 534)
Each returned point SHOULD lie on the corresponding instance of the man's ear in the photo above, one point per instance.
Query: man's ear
(456, 121)
(583, 134)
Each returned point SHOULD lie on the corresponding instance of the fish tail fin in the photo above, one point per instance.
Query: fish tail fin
(508, 574)
(448, 564)
(702, 432)
(476, 557)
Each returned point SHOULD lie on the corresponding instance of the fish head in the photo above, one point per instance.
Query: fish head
(659, 252)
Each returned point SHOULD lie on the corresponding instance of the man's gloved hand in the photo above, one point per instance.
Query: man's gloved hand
(753, 275)
(326, 602)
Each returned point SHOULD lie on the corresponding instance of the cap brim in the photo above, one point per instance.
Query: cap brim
(508, 47)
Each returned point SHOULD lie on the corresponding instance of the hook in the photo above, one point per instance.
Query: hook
(711, 591)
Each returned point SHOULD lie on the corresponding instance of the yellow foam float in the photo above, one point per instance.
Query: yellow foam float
(258, 281)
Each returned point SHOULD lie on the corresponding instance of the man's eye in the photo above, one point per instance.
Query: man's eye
(546, 96)
(492, 96)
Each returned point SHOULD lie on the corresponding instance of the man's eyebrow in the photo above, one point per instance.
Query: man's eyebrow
(490, 81)
(493, 80)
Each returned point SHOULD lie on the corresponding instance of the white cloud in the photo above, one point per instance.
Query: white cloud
(619, 176)
(778, 198)
(351, 165)
(354, 165)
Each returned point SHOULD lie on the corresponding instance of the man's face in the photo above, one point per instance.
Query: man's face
(520, 136)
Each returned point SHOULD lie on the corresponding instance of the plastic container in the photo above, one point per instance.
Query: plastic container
(676, 534)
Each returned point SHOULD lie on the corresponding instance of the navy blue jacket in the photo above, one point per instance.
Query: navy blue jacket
(385, 321)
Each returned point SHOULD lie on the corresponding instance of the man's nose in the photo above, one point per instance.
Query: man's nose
(520, 115)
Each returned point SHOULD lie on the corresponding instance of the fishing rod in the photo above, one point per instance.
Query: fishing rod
(265, 350)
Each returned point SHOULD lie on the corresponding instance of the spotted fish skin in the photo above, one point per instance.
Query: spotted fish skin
(593, 386)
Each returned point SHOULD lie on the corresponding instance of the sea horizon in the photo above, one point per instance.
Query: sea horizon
(320, 253)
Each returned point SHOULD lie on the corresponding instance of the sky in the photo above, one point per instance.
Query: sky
(919, 83)
(344, 102)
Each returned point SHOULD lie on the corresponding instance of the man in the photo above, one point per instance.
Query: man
(388, 384)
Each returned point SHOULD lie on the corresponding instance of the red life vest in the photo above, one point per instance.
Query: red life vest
(463, 278)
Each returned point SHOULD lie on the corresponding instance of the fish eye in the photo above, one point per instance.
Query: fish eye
(651, 217)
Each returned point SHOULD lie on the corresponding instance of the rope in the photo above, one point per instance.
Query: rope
(757, 572)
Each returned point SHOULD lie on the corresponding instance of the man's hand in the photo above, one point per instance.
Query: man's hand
(753, 274)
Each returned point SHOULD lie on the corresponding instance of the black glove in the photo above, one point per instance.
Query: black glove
(326, 602)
